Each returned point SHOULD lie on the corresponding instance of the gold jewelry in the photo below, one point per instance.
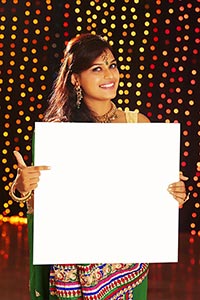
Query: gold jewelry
(26, 198)
(105, 57)
(109, 116)
(79, 96)
(12, 192)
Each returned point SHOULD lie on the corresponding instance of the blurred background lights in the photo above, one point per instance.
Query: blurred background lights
(157, 47)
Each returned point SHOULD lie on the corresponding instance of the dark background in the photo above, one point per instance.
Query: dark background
(157, 45)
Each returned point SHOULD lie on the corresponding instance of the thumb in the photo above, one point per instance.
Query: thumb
(20, 161)
(182, 177)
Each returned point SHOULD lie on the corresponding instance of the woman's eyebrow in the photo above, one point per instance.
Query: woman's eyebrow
(102, 63)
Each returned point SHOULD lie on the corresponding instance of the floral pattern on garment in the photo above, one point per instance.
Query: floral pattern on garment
(96, 281)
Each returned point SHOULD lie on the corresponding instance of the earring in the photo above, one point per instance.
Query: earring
(79, 96)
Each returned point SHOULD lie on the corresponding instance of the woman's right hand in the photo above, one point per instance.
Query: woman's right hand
(28, 176)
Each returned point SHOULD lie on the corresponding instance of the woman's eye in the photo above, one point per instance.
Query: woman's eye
(96, 69)
(99, 68)
(113, 66)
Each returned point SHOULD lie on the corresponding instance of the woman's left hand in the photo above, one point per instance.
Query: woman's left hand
(178, 190)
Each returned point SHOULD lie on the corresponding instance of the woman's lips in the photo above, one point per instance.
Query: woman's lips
(107, 85)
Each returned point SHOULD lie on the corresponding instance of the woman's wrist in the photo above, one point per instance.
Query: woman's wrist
(25, 196)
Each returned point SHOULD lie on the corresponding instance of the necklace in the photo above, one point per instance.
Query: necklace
(109, 116)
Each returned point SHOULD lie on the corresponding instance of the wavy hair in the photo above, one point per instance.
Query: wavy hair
(79, 55)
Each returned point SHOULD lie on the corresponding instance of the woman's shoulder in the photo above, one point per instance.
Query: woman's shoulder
(136, 117)
(142, 118)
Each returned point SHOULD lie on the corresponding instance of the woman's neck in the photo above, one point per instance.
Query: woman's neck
(99, 108)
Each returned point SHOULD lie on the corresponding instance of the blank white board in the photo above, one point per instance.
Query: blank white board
(105, 198)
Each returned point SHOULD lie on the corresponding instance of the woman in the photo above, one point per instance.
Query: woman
(87, 81)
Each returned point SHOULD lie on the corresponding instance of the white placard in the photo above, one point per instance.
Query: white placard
(105, 198)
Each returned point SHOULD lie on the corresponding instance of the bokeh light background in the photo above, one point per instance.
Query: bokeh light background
(157, 44)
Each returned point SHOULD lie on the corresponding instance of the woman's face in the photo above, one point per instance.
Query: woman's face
(100, 81)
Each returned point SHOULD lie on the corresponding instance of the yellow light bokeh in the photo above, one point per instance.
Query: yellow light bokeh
(158, 74)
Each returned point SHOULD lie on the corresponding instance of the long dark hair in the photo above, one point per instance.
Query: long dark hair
(79, 55)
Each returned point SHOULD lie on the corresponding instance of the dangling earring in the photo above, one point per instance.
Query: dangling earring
(79, 96)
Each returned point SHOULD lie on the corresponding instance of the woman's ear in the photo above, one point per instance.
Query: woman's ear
(74, 79)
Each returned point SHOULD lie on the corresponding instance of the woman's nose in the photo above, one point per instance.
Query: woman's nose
(108, 73)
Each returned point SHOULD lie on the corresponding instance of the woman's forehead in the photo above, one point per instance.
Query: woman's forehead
(105, 57)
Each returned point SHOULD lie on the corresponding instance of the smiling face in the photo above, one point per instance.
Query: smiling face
(100, 81)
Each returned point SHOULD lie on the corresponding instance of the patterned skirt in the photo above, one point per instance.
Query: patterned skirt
(98, 281)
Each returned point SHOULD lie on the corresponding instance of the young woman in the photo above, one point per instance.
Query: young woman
(87, 81)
